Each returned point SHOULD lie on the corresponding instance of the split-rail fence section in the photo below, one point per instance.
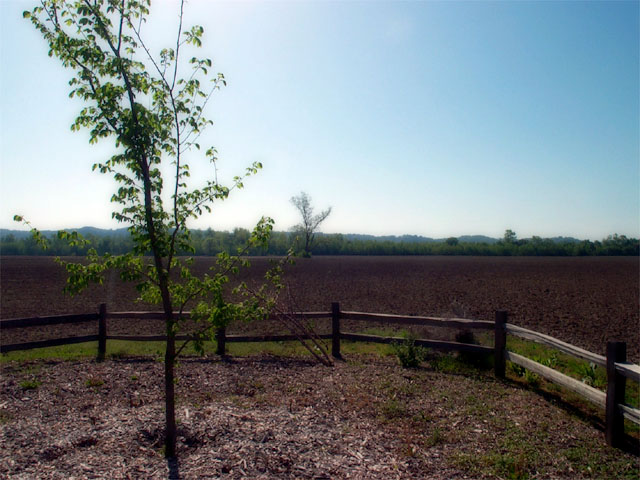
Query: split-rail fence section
(615, 362)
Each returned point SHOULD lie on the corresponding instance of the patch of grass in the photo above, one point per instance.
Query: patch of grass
(393, 408)
(30, 384)
(513, 467)
(386, 332)
(404, 387)
(592, 375)
(589, 373)
(281, 349)
(365, 348)
(63, 352)
(422, 418)
(436, 437)
(532, 379)
(115, 349)
(515, 457)
(477, 406)
(517, 370)
(93, 382)
(447, 363)
(589, 462)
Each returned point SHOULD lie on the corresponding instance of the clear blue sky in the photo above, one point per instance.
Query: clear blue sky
(428, 118)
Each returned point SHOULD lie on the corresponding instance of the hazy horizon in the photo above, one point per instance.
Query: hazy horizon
(23, 229)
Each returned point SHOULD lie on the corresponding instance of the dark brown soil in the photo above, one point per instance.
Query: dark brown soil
(585, 301)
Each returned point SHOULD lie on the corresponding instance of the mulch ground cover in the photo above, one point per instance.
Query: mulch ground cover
(264, 417)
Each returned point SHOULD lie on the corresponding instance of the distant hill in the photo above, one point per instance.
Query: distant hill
(97, 232)
(103, 232)
(564, 240)
(418, 238)
(476, 239)
(386, 238)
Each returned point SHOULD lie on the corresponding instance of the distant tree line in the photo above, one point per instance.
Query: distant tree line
(210, 242)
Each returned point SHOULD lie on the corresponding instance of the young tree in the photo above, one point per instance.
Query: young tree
(153, 108)
(310, 222)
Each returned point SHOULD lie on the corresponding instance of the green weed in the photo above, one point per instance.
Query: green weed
(93, 382)
(436, 437)
(394, 408)
(30, 384)
(409, 354)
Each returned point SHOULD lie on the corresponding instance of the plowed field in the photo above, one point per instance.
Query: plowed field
(584, 301)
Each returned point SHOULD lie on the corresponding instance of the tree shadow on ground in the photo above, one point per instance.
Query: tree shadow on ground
(174, 468)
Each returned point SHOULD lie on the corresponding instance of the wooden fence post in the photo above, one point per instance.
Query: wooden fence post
(221, 340)
(102, 332)
(335, 330)
(500, 344)
(616, 383)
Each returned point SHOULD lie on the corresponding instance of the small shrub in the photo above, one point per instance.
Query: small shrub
(449, 364)
(409, 354)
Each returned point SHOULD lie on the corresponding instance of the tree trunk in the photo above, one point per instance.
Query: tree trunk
(307, 244)
(169, 395)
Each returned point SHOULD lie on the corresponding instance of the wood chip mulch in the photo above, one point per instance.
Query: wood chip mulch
(257, 417)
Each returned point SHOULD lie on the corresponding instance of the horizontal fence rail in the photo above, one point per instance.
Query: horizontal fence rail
(629, 370)
(50, 320)
(54, 342)
(618, 369)
(557, 344)
(187, 314)
(416, 320)
(630, 413)
(435, 344)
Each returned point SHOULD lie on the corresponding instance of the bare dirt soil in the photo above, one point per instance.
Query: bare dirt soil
(584, 301)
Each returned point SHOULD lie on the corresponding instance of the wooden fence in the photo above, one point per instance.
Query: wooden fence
(618, 369)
